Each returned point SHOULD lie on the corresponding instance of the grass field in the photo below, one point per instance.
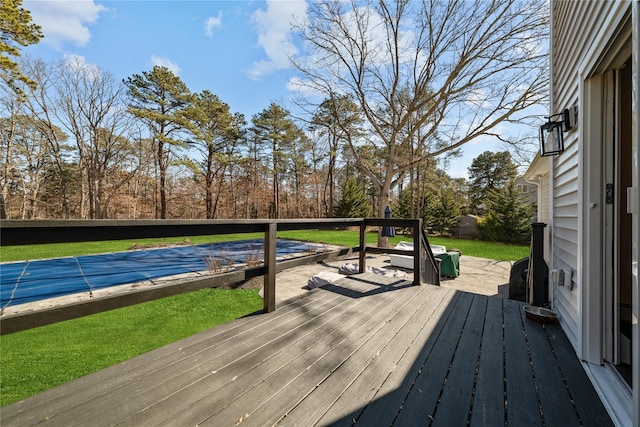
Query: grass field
(38, 359)
(491, 250)
(41, 358)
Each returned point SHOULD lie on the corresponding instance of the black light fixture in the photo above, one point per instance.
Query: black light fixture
(551, 134)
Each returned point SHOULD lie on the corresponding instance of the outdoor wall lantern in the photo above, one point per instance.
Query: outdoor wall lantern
(552, 133)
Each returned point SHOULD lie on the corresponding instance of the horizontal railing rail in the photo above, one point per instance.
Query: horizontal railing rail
(30, 232)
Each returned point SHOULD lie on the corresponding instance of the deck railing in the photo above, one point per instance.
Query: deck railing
(20, 232)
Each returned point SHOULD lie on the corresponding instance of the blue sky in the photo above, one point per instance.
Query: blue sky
(236, 49)
(214, 45)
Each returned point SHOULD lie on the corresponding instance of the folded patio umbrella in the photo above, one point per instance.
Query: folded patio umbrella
(388, 231)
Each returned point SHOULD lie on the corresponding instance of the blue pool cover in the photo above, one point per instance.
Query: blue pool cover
(22, 282)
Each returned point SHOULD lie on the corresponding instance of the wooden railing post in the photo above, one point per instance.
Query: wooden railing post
(362, 254)
(270, 267)
(417, 252)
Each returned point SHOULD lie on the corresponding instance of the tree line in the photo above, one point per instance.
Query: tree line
(503, 211)
(84, 145)
(78, 147)
(396, 86)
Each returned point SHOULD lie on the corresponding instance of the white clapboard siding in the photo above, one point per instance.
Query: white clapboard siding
(576, 27)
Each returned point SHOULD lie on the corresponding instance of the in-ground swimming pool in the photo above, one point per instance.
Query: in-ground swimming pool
(28, 281)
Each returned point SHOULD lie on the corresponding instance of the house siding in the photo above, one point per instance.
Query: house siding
(590, 42)
(538, 174)
(570, 44)
(544, 197)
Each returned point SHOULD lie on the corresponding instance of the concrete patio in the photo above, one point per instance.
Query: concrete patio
(477, 275)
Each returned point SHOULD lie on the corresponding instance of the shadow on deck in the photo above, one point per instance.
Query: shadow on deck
(405, 355)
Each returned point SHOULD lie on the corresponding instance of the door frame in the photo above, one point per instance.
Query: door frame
(594, 78)
(613, 47)
(617, 167)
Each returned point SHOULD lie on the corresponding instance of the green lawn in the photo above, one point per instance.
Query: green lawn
(38, 359)
(41, 358)
(491, 250)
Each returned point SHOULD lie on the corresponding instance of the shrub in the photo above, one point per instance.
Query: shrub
(353, 202)
(508, 217)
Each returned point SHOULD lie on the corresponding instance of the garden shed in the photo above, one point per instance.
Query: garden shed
(466, 226)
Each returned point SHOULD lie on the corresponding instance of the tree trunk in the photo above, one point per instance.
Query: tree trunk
(276, 185)
(3, 211)
(162, 182)
(163, 194)
(7, 169)
(24, 210)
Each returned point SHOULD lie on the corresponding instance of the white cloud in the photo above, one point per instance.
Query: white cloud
(365, 25)
(166, 62)
(305, 88)
(65, 21)
(478, 98)
(273, 26)
(212, 23)
(295, 84)
(79, 63)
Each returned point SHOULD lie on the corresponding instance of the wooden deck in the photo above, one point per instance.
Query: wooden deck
(371, 350)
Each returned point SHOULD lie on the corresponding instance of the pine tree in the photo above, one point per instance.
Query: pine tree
(161, 100)
(403, 207)
(509, 218)
(16, 29)
(273, 128)
(217, 134)
(445, 210)
(489, 172)
(353, 202)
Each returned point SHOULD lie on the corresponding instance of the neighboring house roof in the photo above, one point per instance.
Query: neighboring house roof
(539, 167)
(469, 216)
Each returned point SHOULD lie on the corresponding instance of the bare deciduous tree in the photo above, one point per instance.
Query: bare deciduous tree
(334, 118)
(40, 106)
(9, 111)
(429, 76)
(92, 109)
(25, 155)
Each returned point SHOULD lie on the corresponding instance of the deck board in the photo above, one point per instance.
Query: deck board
(583, 394)
(327, 349)
(196, 368)
(212, 371)
(457, 394)
(419, 407)
(369, 349)
(358, 377)
(395, 375)
(554, 398)
(488, 401)
(138, 369)
(521, 397)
